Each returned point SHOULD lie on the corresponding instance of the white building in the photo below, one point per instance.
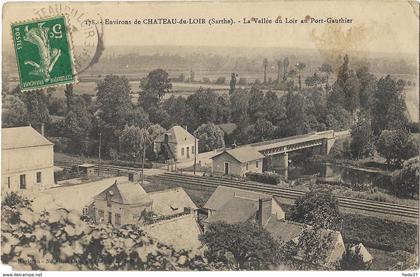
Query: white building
(177, 144)
(27, 161)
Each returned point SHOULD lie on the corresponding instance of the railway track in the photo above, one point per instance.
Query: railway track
(344, 202)
(214, 182)
(112, 169)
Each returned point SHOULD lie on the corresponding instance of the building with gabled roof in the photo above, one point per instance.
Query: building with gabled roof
(288, 231)
(181, 232)
(232, 205)
(171, 201)
(176, 144)
(27, 160)
(122, 203)
(238, 161)
(126, 202)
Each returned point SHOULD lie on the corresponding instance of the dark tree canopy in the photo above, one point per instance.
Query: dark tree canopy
(153, 87)
(250, 245)
(209, 137)
(396, 146)
(389, 106)
(317, 208)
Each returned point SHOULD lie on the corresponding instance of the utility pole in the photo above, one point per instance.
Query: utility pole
(99, 154)
(142, 163)
(195, 153)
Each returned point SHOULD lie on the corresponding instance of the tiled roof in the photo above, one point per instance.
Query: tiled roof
(80, 195)
(223, 194)
(236, 210)
(171, 201)
(181, 232)
(19, 137)
(176, 134)
(243, 154)
(125, 193)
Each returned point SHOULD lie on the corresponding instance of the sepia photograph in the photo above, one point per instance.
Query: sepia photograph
(210, 136)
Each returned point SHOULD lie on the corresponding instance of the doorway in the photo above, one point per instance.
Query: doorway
(226, 168)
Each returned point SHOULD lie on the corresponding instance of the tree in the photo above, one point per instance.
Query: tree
(285, 68)
(78, 124)
(250, 245)
(14, 112)
(265, 65)
(153, 87)
(138, 117)
(362, 140)
(346, 89)
(68, 91)
(239, 105)
(202, 107)
(113, 97)
(279, 67)
(312, 81)
(327, 69)
(396, 146)
(300, 66)
(256, 107)
(405, 182)
(274, 111)
(232, 83)
(155, 131)
(318, 209)
(389, 106)
(223, 109)
(176, 108)
(261, 130)
(37, 106)
(57, 106)
(134, 142)
(296, 122)
(368, 83)
(209, 137)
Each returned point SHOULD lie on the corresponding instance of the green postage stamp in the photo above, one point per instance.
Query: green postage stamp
(43, 53)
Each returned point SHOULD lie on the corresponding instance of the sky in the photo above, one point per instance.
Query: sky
(378, 26)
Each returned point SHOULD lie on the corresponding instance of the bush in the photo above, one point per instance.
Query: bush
(267, 178)
(405, 182)
(61, 240)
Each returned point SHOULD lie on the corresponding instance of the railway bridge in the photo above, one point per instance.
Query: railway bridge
(278, 149)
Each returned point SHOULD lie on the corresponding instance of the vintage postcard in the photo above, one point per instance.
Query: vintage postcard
(210, 136)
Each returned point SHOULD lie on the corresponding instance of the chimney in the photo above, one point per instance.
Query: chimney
(43, 129)
(264, 211)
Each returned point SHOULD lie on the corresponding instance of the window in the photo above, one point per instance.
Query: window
(246, 166)
(117, 219)
(8, 182)
(22, 181)
(38, 177)
(192, 150)
(182, 151)
(256, 164)
(101, 215)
